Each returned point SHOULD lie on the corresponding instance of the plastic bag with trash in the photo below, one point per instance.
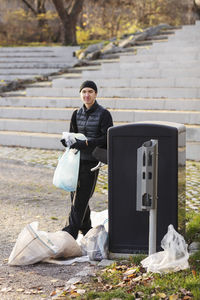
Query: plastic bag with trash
(33, 246)
(173, 258)
(95, 243)
(66, 172)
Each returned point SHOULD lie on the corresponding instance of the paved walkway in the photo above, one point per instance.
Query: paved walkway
(49, 158)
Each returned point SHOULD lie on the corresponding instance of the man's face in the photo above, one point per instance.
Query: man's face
(88, 96)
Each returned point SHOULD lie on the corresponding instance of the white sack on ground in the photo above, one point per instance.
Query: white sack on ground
(97, 218)
(95, 243)
(173, 258)
(100, 218)
(33, 246)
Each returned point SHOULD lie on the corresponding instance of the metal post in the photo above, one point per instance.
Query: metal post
(147, 177)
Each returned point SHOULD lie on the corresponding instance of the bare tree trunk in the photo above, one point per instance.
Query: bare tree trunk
(68, 17)
(40, 9)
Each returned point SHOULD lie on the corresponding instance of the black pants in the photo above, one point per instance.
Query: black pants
(79, 217)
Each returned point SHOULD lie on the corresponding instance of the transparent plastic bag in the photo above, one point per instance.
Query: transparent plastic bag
(95, 243)
(66, 172)
(33, 246)
(173, 258)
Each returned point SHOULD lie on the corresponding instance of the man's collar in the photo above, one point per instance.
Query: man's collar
(92, 108)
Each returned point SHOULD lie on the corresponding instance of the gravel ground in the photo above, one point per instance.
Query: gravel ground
(27, 195)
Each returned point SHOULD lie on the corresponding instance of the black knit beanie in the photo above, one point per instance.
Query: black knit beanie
(88, 84)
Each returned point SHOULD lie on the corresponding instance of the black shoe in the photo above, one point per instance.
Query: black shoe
(71, 231)
(85, 231)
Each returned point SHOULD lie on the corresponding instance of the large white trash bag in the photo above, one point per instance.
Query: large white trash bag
(33, 246)
(173, 258)
(95, 243)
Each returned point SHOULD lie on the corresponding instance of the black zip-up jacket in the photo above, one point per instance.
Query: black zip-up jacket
(93, 123)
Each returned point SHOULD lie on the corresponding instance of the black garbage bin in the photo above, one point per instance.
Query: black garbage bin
(129, 228)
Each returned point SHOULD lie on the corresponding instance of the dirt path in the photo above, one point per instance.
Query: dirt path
(27, 195)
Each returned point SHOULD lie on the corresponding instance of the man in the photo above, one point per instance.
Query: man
(93, 121)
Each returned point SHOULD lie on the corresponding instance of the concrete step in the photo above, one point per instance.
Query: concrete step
(158, 57)
(27, 71)
(35, 51)
(141, 73)
(119, 115)
(30, 140)
(171, 48)
(52, 141)
(59, 126)
(188, 34)
(7, 78)
(130, 82)
(112, 103)
(131, 92)
(37, 126)
(29, 62)
(36, 113)
(149, 65)
(33, 65)
(36, 59)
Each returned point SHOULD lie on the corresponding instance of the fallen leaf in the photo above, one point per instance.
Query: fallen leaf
(74, 294)
(173, 297)
(107, 287)
(69, 287)
(121, 284)
(194, 273)
(162, 295)
(138, 278)
(187, 298)
(130, 271)
(121, 268)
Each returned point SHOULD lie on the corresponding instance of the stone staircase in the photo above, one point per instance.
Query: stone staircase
(29, 62)
(161, 82)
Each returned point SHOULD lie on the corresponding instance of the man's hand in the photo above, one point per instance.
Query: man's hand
(63, 142)
(79, 145)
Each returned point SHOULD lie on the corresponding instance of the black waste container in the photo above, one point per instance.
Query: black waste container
(128, 228)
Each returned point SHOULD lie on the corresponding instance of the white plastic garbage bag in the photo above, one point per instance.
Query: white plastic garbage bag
(173, 258)
(100, 218)
(33, 246)
(66, 172)
(95, 243)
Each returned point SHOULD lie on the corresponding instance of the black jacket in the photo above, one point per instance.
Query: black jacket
(93, 123)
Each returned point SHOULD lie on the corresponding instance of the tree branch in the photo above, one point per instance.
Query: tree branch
(59, 5)
(77, 7)
(30, 7)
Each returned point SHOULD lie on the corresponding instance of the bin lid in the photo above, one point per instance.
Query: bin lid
(180, 127)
